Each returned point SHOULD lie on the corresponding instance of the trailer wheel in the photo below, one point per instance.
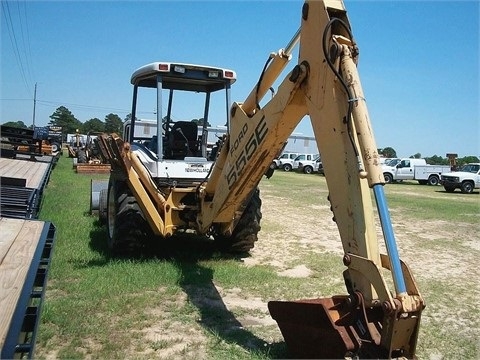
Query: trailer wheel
(449, 189)
(56, 147)
(128, 231)
(102, 206)
(244, 235)
(433, 180)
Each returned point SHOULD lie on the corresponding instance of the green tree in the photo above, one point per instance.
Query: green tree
(200, 122)
(94, 124)
(64, 118)
(388, 152)
(467, 160)
(113, 124)
(16, 124)
(436, 160)
(416, 156)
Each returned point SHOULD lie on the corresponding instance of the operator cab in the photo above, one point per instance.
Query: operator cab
(182, 99)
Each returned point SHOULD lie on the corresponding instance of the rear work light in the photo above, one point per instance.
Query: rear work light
(179, 69)
(213, 74)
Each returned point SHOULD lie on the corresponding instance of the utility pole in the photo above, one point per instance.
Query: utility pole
(34, 103)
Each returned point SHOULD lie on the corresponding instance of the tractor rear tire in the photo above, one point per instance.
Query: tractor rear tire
(128, 230)
(81, 156)
(245, 233)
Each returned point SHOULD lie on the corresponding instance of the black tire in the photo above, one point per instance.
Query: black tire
(433, 180)
(102, 206)
(128, 231)
(287, 167)
(388, 178)
(467, 187)
(307, 169)
(56, 147)
(81, 156)
(449, 189)
(245, 234)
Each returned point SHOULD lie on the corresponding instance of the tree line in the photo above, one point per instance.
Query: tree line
(112, 123)
(389, 152)
(63, 117)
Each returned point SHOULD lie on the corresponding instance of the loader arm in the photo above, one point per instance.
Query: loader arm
(324, 85)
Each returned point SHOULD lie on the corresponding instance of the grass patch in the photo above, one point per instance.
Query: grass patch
(171, 304)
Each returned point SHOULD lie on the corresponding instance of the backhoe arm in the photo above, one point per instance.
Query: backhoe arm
(325, 85)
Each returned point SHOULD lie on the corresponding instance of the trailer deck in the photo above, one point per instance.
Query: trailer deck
(25, 251)
(25, 255)
(22, 182)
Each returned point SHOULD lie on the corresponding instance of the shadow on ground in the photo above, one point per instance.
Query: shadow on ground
(186, 252)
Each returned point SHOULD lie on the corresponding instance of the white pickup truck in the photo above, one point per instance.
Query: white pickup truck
(467, 179)
(276, 163)
(414, 169)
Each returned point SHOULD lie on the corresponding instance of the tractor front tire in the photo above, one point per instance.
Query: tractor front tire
(245, 233)
(128, 231)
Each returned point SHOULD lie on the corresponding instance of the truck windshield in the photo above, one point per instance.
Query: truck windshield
(393, 162)
(472, 168)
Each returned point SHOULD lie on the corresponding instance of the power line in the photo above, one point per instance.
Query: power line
(27, 49)
(13, 40)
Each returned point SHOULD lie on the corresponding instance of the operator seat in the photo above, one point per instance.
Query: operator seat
(183, 139)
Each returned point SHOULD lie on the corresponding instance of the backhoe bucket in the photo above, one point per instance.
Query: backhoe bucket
(329, 328)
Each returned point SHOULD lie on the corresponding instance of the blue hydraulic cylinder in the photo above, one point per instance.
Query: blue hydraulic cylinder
(392, 251)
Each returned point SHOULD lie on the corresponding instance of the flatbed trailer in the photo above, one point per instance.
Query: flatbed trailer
(22, 182)
(25, 255)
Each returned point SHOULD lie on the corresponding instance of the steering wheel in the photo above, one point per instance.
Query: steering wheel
(167, 126)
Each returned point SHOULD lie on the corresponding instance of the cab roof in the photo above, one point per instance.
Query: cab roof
(180, 76)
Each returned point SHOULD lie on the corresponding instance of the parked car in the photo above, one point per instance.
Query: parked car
(289, 164)
(307, 166)
(276, 163)
(319, 167)
(466, 179)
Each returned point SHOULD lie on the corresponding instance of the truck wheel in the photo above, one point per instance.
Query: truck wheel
(245, 233)
(433, 180)
(467, 187)
(449, 189)
(128, 231)
(388, 178)
(81, 156)
(287, 167)
(307, 169)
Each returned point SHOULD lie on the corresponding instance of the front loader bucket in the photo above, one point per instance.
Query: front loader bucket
(329, 328)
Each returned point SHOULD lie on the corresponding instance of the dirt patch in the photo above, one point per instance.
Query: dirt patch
(436, 251)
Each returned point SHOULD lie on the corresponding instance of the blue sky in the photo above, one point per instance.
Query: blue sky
(419, 60)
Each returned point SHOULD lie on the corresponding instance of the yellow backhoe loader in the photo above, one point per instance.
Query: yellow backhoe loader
(169, 182)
